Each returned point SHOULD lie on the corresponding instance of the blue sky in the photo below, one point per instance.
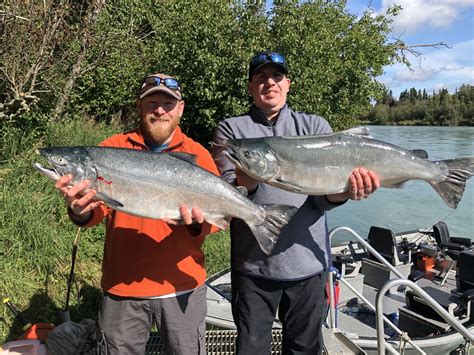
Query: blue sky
(428, 22)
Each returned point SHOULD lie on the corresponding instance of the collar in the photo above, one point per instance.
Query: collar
(257, 115)
(136, 137)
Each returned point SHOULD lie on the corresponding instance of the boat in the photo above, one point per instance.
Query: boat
(407, 293)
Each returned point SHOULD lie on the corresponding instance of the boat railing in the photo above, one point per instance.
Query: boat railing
(332, 307)
(378, 308)
(381, 343)
(368, 247)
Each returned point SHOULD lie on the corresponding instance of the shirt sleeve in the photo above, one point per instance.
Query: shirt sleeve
(222, 133)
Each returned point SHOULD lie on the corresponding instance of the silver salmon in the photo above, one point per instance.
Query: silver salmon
(320, 165)
(154, 185)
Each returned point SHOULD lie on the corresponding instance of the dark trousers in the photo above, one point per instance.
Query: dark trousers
(301, 308)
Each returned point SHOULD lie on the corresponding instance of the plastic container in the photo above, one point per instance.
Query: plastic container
(425, 262)
(24, 347)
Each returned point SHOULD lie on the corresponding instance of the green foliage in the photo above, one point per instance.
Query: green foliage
(334, 57)
(415, 107)
(18, 132)
(35, 231)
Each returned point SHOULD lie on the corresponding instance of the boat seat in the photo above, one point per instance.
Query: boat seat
(465, 271)
(384, 242)
(450, 246)
(349, 262)
(458, 302)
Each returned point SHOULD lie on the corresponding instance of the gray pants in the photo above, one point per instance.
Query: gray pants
(124, 323)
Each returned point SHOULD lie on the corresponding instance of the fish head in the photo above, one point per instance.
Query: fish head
(73, 161)
(253, 157)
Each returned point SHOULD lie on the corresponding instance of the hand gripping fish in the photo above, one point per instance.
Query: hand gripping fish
(154, 185)
(322, 164)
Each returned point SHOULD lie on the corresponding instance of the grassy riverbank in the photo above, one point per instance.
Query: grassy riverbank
(37, 236)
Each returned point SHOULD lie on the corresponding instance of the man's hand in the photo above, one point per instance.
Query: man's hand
(246, 181)
(80, 202)
(188, 217)
(362, 183)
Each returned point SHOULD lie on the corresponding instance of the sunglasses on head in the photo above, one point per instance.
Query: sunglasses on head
(170, 83)
(265, 57)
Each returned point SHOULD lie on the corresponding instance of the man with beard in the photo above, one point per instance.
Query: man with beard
(152, 270)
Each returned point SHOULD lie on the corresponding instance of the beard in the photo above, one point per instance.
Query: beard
(157, 134)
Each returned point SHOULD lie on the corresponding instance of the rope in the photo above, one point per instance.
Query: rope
(403, 342)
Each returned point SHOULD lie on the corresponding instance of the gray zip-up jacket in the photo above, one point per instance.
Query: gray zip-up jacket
(303, 248)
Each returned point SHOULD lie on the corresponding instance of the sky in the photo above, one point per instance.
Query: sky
(429, 22)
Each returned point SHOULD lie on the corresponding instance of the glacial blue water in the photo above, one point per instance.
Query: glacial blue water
(416, 205)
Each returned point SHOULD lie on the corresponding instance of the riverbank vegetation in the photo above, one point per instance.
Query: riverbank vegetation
(418, 107)
(69, 74)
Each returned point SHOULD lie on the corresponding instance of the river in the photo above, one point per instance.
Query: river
(415, 205)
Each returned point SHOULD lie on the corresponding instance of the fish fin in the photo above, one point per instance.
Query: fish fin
(267, 233)
(287, 186)
(221, 223)
(108, 201)
(242, 190)
(452, 188)
(400, 185)
(358, 131)
(420, 153)
(190, 158)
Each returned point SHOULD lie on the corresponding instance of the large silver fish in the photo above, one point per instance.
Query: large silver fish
(154, 185)
(320, 165)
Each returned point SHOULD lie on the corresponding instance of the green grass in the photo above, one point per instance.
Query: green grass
(36, 235)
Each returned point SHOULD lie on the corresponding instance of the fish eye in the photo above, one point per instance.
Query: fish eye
(247, 154)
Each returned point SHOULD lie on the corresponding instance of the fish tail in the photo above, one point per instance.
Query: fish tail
(267, 233)
(452, 188)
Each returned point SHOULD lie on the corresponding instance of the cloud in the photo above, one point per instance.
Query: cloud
(420, 13)
(439, 68)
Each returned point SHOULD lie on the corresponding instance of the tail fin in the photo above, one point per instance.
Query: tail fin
(267, 233)
(452, 188)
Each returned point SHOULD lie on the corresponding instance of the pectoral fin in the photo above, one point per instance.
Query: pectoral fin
(108, 200)
(287, 186)
(221, 223)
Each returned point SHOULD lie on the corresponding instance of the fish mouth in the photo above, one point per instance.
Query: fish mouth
(233, 156)
(230, 152)
(49, 173)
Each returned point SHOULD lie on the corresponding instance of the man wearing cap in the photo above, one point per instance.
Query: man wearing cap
(292, 279)
(152, 270)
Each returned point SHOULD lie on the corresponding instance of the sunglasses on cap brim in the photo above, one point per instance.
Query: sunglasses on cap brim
(268, 57)
(170, 83)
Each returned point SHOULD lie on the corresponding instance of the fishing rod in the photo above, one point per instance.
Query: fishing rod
(65, 315)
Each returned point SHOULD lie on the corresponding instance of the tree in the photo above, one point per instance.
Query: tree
(97, 54)
(334, 57)
(33, 37)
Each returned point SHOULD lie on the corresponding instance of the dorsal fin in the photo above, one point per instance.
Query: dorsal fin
(358, 131)
(190, 158)
(420, 153)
